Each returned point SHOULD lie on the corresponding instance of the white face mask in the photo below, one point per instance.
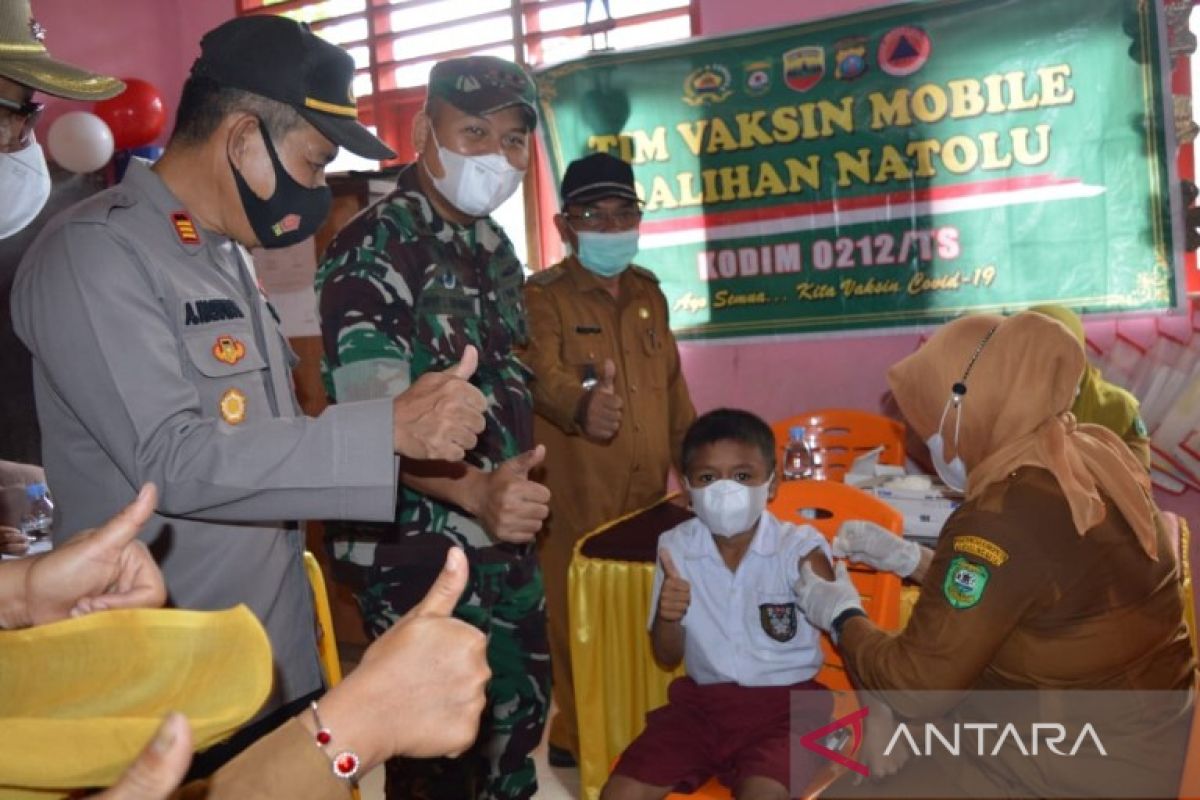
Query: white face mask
(728, 507)
(475, 185)
(954, 473)
(24, 185)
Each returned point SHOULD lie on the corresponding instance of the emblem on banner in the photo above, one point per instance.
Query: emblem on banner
(757, 77)
(850, 58)
(778, 620)
(233, 407)
(228, 350)
(804, 67)
(903, 51)
(709, 84)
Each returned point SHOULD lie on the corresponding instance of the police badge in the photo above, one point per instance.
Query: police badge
(778, 620)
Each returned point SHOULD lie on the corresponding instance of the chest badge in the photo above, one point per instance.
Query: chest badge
(644, 313)
(778, 620)
(228, 350)
(185, 229)
(233, 407)
(448, 280)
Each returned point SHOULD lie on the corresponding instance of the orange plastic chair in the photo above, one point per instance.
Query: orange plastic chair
(1189, 784)
(842, 435)
(825, 505)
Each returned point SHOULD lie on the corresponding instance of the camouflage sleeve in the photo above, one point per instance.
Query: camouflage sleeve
(366, 311)
(556, 389)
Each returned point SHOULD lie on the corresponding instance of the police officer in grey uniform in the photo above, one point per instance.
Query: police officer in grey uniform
(157, 358)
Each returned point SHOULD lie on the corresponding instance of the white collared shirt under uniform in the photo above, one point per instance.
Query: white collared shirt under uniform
(744, 627)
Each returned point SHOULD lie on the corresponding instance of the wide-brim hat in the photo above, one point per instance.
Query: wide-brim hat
(24, 59)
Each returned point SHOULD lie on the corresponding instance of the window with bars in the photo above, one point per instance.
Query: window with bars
(396, 42)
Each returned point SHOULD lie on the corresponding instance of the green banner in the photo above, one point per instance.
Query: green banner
(895, 167)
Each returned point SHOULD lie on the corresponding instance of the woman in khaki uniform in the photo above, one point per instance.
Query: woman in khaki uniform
(1055, 574)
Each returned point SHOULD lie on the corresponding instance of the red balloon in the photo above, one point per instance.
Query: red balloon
(136, 116)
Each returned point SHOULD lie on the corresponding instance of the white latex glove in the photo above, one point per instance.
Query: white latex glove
(821, 601)
(876, 546)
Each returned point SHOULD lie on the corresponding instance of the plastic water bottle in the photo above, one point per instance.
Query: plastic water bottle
(797, 456)
(39, 515)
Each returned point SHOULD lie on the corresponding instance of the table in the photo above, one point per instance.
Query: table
(617, 679)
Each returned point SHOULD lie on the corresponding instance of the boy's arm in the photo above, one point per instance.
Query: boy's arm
(819, 563)
(670, 600)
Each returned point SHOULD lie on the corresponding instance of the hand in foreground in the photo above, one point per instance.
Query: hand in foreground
(99, 569)
(821, 601)
(676, 593)
(13, 542)
(876, 546)
(514, 507)
(160, 767)
(602, 414)
(441, 415)
(419, 690)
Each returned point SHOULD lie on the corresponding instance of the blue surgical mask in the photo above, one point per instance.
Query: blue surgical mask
(607, 254)
(954, 472)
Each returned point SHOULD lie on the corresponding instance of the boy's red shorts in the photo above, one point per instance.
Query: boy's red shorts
(730, 731)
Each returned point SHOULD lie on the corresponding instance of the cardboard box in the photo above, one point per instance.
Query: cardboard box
(925, 511)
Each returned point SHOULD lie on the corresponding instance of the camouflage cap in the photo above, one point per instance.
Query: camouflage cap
(482, 84)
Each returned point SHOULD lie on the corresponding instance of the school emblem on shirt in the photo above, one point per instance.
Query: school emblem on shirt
(185, 229)
(233, 407)
(778, 620)
(228, 350)
(965, 582)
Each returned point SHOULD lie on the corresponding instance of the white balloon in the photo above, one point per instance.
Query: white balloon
(79, 141)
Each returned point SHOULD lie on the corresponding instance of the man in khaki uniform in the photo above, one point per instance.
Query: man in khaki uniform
(610, 398)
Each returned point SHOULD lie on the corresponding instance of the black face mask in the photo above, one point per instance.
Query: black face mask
(292, 213)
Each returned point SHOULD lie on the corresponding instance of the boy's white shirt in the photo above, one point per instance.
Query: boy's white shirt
(726, 638)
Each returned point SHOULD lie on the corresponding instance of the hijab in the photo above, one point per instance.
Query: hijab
(1018, 375)
(1099, 401)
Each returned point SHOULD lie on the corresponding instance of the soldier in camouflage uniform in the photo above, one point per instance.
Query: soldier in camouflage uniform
(403, 289)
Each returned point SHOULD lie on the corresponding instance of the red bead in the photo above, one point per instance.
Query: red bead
(324, 737)
(345, 764)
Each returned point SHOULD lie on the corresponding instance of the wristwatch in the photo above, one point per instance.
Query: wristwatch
(835, 628)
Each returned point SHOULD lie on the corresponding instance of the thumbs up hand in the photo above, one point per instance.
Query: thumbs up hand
(441, 415)
(602, 416)
(429, 671)
(513, 506)
(676, 594)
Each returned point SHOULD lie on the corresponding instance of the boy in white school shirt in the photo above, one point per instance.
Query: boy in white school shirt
(723, 603)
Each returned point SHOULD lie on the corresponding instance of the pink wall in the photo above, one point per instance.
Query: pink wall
(155, 40)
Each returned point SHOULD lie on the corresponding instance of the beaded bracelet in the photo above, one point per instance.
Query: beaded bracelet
(345, 762)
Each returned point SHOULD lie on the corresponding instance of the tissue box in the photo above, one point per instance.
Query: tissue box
(925, 511)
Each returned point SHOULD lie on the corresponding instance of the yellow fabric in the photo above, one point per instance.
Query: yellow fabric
(1099, 402)
(326, 638)
(79, 699)
(617, 679)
